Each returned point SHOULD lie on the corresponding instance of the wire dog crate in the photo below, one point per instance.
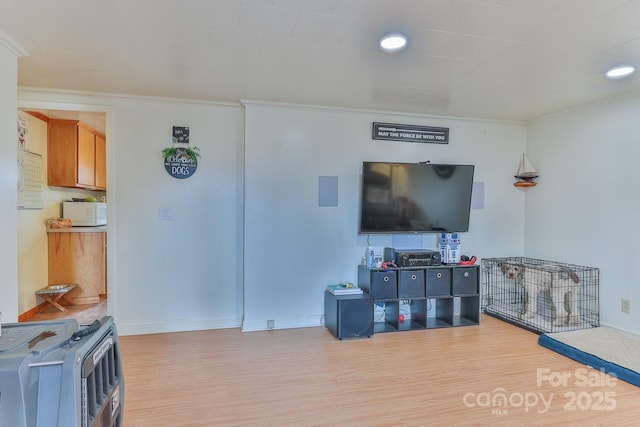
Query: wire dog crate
(541, 296)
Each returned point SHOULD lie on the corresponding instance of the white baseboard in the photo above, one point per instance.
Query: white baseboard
(282, 323)
(143, 328)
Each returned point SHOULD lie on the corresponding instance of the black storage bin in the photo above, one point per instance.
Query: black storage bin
(380, 284)
(411, 284)
(465, 280)
(438, 282)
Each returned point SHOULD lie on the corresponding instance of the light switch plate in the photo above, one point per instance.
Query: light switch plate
(166, 213)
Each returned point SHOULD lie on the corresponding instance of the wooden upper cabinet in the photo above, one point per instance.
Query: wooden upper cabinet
(86, 158)
(76, 156)
(101, 162)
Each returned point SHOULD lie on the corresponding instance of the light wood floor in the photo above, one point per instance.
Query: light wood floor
(306, 377)
(85, 314)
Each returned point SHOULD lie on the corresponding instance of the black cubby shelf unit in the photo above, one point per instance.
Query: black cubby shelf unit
(428, 297)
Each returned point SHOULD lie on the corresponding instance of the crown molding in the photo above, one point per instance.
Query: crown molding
(10, 43)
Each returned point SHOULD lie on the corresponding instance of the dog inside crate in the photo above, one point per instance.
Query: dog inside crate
(547, 280)
(542, 295)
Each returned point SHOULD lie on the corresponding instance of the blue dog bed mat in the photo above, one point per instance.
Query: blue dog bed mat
(611, 350)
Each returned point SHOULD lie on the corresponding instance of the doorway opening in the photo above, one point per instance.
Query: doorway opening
(47, 255)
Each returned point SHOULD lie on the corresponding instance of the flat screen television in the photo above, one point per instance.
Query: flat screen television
(415, 197)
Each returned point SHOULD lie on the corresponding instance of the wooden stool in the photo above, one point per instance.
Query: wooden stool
(54, 293)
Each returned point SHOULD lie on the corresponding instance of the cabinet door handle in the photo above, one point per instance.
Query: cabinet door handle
(386, 278)
(439, 275)
(414, 277)
(466, 274)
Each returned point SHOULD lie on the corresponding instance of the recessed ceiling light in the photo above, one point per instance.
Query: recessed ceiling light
(620, 72)
(393, 42)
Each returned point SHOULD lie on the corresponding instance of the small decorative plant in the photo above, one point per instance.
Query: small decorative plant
(188, 152)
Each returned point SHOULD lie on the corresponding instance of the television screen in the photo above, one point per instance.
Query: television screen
(415, 197)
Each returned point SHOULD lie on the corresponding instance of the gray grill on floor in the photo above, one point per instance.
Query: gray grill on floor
(57, 374)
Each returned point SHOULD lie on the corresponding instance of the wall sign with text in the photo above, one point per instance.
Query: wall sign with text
(181, 165)
(180, 160)
(410, 133)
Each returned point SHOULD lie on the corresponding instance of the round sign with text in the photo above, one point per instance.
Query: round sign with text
(181, 165)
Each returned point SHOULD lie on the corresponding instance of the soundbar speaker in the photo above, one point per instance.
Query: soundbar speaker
(348, 316)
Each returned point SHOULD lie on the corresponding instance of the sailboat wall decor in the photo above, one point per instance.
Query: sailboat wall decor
(526, 174)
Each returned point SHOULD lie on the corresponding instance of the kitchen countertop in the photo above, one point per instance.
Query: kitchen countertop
(98, 229)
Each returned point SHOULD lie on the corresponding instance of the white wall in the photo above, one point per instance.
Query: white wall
(32, 243)
(294, 249)
(179, 274)
(8, 185)
(188, 273)
(584, 210)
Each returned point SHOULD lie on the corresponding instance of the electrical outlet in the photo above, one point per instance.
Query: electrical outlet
(625, 306)
(271, 324)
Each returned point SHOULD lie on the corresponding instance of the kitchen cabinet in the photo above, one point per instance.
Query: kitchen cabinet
(78, 255)
(101, 162)
(76, 155)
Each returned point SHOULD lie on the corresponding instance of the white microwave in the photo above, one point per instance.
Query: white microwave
(85, 214)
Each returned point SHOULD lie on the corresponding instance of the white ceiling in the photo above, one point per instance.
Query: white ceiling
(495, 59)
